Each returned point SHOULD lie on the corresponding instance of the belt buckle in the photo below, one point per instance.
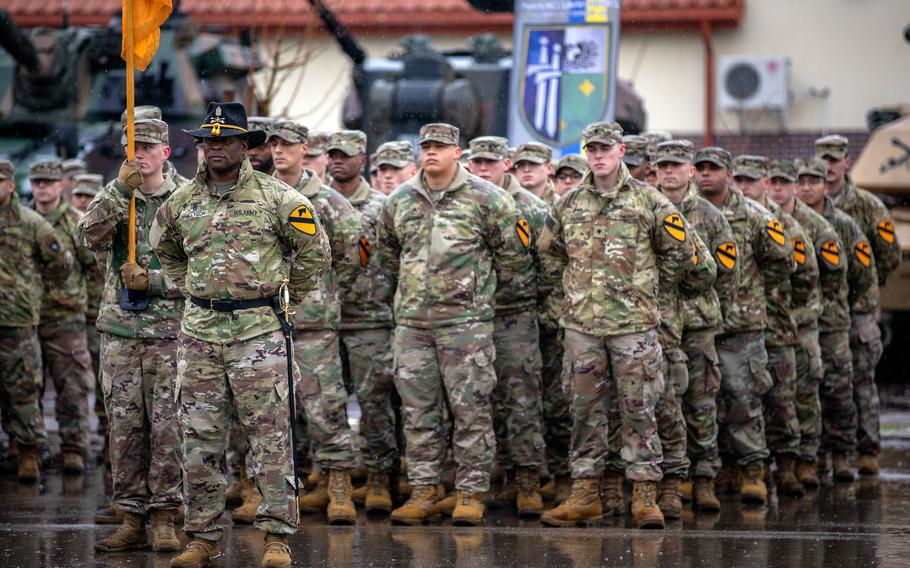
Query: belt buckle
(212, 304)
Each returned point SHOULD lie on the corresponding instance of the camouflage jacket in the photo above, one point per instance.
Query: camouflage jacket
(522, 294)
(610, 247)
(30, 253)
(449, 249)
(368, 302)
(94, 288)
(105, 230)
(238, 246)
(549, 196)
(67, 299)
(875, 221)
(321, 306)
(705, 310)
(698, 279)
(861, 269)
(831, 308)
(763, 253)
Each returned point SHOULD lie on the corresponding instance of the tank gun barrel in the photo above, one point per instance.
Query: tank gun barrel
(17, 44)
(346, 41)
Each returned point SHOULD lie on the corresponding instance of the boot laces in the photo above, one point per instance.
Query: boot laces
(377, 482)
(277, 547)
(647, 494)
(202, 547)
(164, 531)
(420, 493)
(338, 487)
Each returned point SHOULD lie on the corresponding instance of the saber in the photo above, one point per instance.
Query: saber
(284, 303)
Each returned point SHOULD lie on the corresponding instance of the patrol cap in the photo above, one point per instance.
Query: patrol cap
(142, 112)
(784, 169)
(533, 152)
(636, 149)
(351, 142)
(7, 169)
(316, 146)
(714, 155)
(440, 132)
(88, 184)
(673, 151)
(46, 169)
(289, 131)
(489, 148)
(608, 133)
(833, 146)
(465, 156)
(655, 137)
(573, 162)
(148, 130)
(263, 123)
(815, 167)
(397, 153)
(749, 166)
(72, 168)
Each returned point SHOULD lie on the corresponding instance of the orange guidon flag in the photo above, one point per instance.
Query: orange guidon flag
(148, 15)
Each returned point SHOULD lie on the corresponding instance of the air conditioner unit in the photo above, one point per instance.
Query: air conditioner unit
(753, 83)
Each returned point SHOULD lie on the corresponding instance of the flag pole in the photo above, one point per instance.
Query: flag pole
(129, 24)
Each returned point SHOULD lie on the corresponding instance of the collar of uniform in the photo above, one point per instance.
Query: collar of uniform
(167, 187)
(12, 208)
(246, 172)
(362, 193)
(690, 198)
(622, 180)
(733, 205)
(828, 211)
(309, 184)
(549, 193)
(55, 215)
(461, 176)
(846, 195)
(511, 185)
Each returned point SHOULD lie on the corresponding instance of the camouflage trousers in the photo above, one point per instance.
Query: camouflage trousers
(453, 364)
(516, 399)
(866, 345)
(671, 426)
(66, 361)
(138, 380)
(699, 402)
(20, 377)
(237, 450)
(838, 431)
(214, 381)
(779, 403)
(633, 364)
(366, 356)
(324, 400)
(93, 341)
(809, 374)
(557, 417)
(744, 381)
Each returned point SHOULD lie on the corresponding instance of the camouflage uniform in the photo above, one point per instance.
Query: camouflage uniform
(450, 249)
(237, 246)
(573, 162)
(636, 150)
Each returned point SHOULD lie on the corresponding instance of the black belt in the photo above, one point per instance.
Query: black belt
(231, 305)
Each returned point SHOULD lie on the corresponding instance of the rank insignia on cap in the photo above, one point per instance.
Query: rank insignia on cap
(726, 255)
(864, 253)
(524, 233)
(799, 251)
(364, 248)
(302, 220)
(673, 224)
(776, 232)
(886, 231)
(831, 252)
(217, 111)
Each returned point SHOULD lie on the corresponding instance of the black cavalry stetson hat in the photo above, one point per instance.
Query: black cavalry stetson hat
(227, 119)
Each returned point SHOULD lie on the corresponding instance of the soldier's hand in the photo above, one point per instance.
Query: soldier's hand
(134, 277)
(129, 175)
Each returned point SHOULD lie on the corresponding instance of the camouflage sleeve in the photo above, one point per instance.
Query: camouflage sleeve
(168, 244)
(804, 280)
(553, 261)
(773, 249)
(97, 226)
(537, 220)
(861, 263)
(388, 248)
(829, 252)
(53, 260)
(502, 234)
(671, 239)
(306, 242)
(345, 239)
(703, 272)
(724, 246)
(885, 247)
(160, 284)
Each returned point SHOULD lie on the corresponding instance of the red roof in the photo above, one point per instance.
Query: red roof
(373, 17)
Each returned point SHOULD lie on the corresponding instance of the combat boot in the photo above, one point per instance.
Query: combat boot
(822, 463)
(314, 477)
(447, 504)
(198, 553)
(359, 494)
(73, 463)
(752, 488)
(611, 494)
(583, 506)
(420, 507)
(164, 538)
(868, 464)
(548, 489)
(277, 552)
(685, 491)
(785, 477)
(316, 500)
(130, 536)
(245, 514)
(469, 509)
(725, 482)
(233, 497)
(379, 498)
(29, 472)
(112, 515)
(668, 500)
(645, 512)
(704, 497)
(807, 474)
(340, 510)
(527, 493)
(841, 466)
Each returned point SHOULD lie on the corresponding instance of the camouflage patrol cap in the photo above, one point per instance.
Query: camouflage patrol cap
(7, 170)
(150, 131)
(439, 132)
(714, 155)
(749, 166)
(784, 169)
(673, 151)
(815, 167)
(72, 168)
(608, 133)
(263, 123)
(88, 184)
(351, 142)
(465, 156)
(833, 146)
(489, 148)
(289, 131)
(636, 149)
(655, 137)
(533, 152)
(316, 146)
(397, 153)
(573, 162)
(46, 169)
(142, 112)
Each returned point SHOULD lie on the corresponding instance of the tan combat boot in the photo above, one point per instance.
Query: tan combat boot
(583, 506)
(527, 493)
(112, 515)
(420, 507)
(73, 463)
(645, 512)
(130, 536)
(807, 474)
(233, 497)
(611, 494)
(164, 538)
(823, 464)
(668, 500)
(548, 489)
(752, 488)
(198, 553)
(704, 496)
(340, 510)
(29, 472)
(245, 514)
(868, 464)
(378, 499)
(841, 467)
(469, 509)
(447, 504)
(725, 482)
(314, 477)
(685, 491)
(316, 500)
(785, 477)
(277, 552)
(359, 494)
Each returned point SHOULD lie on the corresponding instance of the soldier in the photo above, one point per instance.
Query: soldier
(64, 346)
(533, 170)
(839, 414)
(517, 396)
(825, 311)
(763, 254)
(450, 237)
(31, 251)
(85, 189)
(149, 112)
(654, 137)
(702, 318)
(395, 165)
(610, 316)
(568, 173)
(323, 396)
(366, 322)
(232, 239)
(140, 348)
(261, 156)
(783, 299)
(865, 337)
(71, 169)
(637, 158)
(316, 159)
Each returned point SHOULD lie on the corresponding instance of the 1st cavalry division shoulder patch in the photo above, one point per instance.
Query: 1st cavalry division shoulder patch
(864, 253)
(673, 224)
(886, 231)
(776, 232)
(830, 252)
(364, 248)
(726, 255)
(524, 232)
(302, 220)
(799, 251)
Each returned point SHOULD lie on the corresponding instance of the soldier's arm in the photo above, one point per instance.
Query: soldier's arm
(511, 255)
(345, 256)
(861, 267)
(98, 224)
(671, 240)
(52, 259)
(553, 261)
(830, 252)
(168, 244)
(703, 272)
(388, 248)
(773, 249)
(804, 280)
(307, 245)
(884, 242)
(724, 247)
